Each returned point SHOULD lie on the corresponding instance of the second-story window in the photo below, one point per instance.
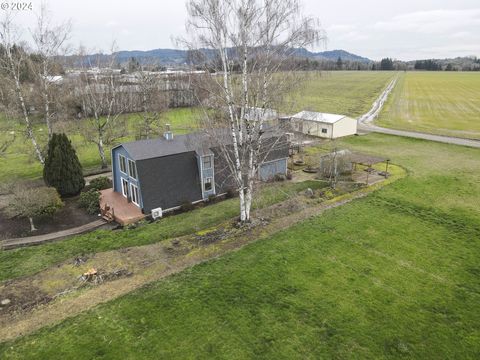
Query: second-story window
(207, 162)
(132, 169)
(123, 163)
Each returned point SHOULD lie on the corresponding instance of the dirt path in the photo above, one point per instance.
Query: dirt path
(366, 123)
(368, 118)
(35, 240)
(57, 294)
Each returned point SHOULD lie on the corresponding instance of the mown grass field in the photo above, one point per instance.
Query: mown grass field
(339, 92)
(444, 103)
(18, 160)
(393, 275)
(28, 260)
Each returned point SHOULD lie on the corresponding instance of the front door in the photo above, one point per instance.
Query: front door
(125, 187)
(135, 197)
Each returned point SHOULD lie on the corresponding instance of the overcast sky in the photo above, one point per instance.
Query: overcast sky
(405, 29)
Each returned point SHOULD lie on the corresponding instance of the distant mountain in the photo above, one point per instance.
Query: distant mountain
(160, 56)
(344, 55)
(179, 57)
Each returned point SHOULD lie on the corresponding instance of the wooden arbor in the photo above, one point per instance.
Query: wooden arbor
(369, 161)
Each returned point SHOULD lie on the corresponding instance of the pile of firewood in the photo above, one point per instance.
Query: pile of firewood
(95, 277)
(91, 276)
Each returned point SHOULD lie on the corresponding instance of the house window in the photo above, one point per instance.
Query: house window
(132, 169)
(123, 163)
(124, 187)
(207, 162)
(135, 197)
(324, 131)
(207, 184)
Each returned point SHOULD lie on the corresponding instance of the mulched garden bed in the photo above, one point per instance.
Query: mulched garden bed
(69, 216)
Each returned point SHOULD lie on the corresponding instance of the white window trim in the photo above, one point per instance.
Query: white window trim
(211, 162)
(137, 194)
(135, 166)
(126, 164)
(211, 183)
(202, 179)
(123, 188)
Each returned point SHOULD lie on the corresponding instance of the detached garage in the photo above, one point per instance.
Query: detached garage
(323, 125)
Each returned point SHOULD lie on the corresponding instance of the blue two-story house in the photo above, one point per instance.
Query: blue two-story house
(169, 171)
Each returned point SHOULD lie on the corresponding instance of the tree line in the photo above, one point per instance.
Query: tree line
(386, 64)
(40, 84)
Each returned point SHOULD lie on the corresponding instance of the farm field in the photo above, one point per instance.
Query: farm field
(393, 275)
(18, 161)
(339, 92)
(443, 103)
(350, 93)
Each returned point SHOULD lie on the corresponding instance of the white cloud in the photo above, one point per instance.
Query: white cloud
(431, 22)
(345, 33)
(406, 29)
(461, 35)
(111, 24)
(340, 28)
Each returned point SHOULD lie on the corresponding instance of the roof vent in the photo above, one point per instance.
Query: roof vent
(168, 135)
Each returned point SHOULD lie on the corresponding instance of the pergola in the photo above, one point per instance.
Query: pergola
(369, 161)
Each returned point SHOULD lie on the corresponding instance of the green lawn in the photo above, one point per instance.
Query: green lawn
(19, 162)
(445, 103)
(340, 92)
(393, 275)
(28, 260)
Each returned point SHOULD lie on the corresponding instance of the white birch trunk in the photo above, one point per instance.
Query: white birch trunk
(46, 101)
(101, 150)
(258, 34)
(26, 118)
(32, 226)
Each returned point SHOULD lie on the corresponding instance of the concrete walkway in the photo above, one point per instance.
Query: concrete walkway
(39, 239)
(365, 124)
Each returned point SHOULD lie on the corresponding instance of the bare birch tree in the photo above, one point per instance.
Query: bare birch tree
(13, 60)
(48, 40)
(153, 102)
(98, 94)
(251, 42)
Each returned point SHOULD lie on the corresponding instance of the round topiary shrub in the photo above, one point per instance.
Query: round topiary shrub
(33, 202)
(90, 201)
(100, 183)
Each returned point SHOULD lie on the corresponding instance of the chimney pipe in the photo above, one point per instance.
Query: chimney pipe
(168, 135)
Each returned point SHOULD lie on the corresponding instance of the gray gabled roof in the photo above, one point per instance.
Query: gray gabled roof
(199, 142)
(153, 148)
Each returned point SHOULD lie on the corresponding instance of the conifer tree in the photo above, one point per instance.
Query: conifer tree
(339, 63)
(62, 168)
